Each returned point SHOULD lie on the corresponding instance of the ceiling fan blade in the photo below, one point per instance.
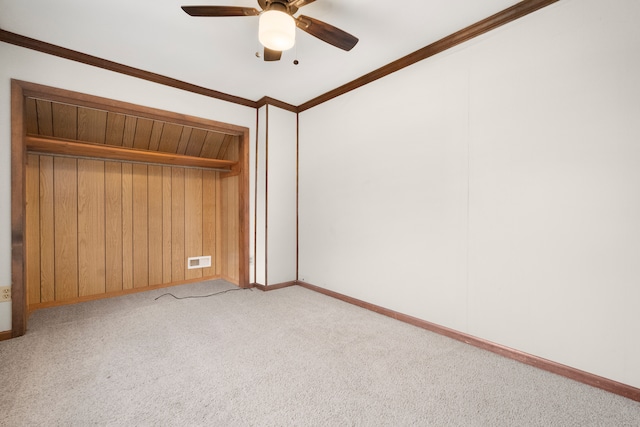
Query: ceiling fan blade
(299, 3)
(327, 33)
(272, 55)
(220, 11)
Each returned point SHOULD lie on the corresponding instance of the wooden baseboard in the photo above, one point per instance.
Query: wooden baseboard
(5, 335)
(612, 386)
(33, 307)
(231, 280)
(274, 287)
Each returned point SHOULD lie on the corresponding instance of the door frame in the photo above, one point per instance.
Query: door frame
(20, 90)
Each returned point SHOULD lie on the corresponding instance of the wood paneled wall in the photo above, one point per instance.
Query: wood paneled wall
(96, 227)
(103, 220)
(47, 118)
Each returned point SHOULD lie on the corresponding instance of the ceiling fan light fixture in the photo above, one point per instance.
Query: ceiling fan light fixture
(277, 30)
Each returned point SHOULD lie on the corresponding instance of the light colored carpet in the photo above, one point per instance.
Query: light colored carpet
(289, 357)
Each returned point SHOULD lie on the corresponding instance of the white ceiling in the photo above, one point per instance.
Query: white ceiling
(219, 53)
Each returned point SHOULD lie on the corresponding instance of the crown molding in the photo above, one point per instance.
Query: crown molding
(276, 103)
(479, 28)
(499, 19)
(73, 55)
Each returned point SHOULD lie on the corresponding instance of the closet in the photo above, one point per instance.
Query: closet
(119, 198)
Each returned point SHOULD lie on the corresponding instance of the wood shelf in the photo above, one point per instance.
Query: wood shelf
(65, 147)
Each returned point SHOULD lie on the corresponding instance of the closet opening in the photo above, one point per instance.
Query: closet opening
(110, 198)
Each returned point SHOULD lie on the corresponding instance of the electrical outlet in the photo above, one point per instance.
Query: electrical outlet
(5, 293)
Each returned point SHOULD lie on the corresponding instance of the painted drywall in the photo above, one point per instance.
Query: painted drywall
(23, 64)
(493, 188)
(281, 194)
(276, 203)
(261, 202)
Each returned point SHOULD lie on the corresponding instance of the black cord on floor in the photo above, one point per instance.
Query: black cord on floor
(204, 296)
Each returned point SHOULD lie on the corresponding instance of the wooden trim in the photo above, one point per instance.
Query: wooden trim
(265, 288)
(271, 101)
(255, 199)
(61, 52)
(479, 28)
(34, 307)
(18, 177)
(266, 195)
(235, 282)
(48, 145)
(6, 335)
(510, 14)
(297, 194)
(244, 212)
(64, 96)
(529, 359)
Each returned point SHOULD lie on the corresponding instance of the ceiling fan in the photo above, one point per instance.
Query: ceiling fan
(277, 25)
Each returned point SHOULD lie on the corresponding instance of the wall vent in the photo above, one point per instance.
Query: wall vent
(198, 262)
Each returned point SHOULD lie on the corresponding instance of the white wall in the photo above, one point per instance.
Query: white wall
(493, 189)
(281, 193)
(276, 205)
(28, 65)
(261, 202)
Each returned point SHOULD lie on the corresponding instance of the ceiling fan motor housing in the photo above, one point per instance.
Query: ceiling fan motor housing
(279, 5)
